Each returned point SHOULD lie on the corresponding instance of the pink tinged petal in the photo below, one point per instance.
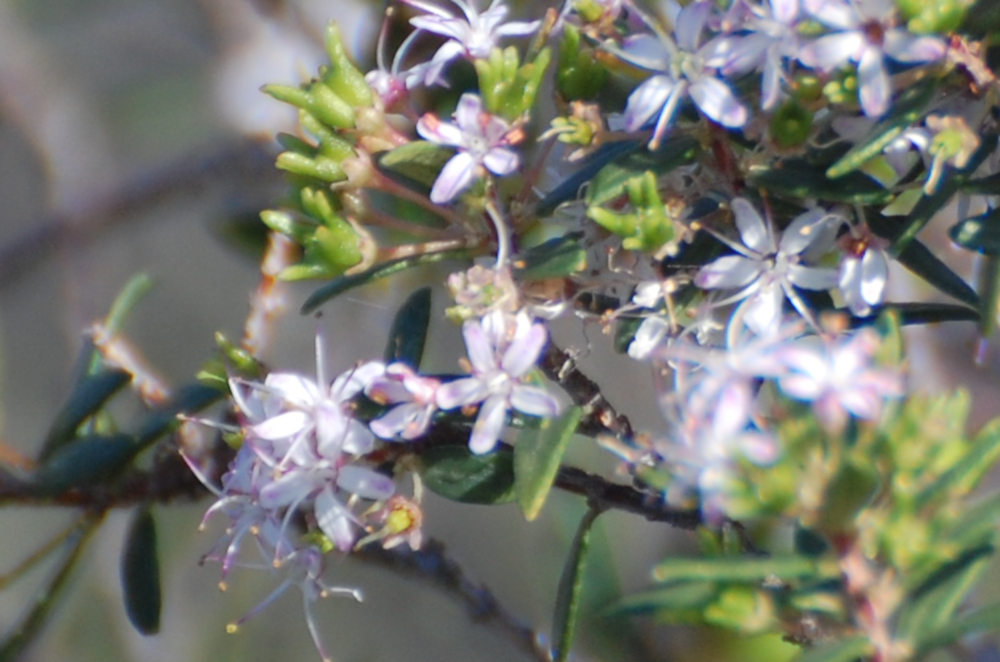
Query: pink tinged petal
(468, 112)
(770, 83)
(734, 55)
(282, 426)
(501, 161)
(727, 272)
(428, 7)
(294, 389)
(690, 23)
(900, 45)
(648, 337)
(759, 448)
(288, 489)
(523, 352)
(358, 440)
(480, 343)
(732, 409)
(754, 233)
(812, 278)
(355, 380)
(407, 421)
(518, 28)
(648, 99)
(457, 29)
(835, 13)
(489, 425)
(334, 520)
(717, 101)
(431, 128)
(460, 392)
(874, 276)
(850, 286)
(534, 401)
(667, 114)
(832, 50)
(785, 11)
(646, 51)
(365, 482)
(457, 174)
(873, 83)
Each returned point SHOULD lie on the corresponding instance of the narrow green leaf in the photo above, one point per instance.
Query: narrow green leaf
(905, 111)
(46, 598)
(962, 478)
(976, 525)
(925, 263)
(409, 329)
(686, 599)
(986, 619)
(570, 187)
(343, 283)
(417, 161)
(136, 288)
(924, 313)
(188, 399)
(934, 603)
(86, 399)
(536, 459)
(797, 178)
(745, 569)
(555, 258)
(458, 474)
(140, 573)
(845, 650)
(85, 462)
(979, 233)
(570, 588)
(989, 185)
(988, 282)
(612, 179)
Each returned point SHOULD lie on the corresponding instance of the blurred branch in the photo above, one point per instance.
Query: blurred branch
(240, 163)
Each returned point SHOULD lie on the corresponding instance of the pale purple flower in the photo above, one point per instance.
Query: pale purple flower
(765, 271)
(415, 397)
(864, 270)
(681, 67)
(472, 34)
(482, 140)
(866, 33)
(840, 377)
(503, 349)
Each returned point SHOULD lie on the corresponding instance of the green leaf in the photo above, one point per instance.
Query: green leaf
(934, 603)
(458, 474)
(986, 619)
(344, 283)
(87, 398)
(135, 289)
(570, 588)
(686, 600)
(613, 178)
(745, 569)
(845, 650)
(570, 187)
(926, 313)
(800, 179)
(906, 110)
(86, 462)
(536, 459)
(409, 329)
(555, 258)
(188, 399)
(979, 233)
(27, 629)
(140, 573)
(924, 263)
(418, 161)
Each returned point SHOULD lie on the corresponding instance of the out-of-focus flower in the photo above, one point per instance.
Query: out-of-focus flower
(839, 376)
(766, 271)
(472, 34)
(681, 67)
(503, 349)
(482, 140)
(866, 34)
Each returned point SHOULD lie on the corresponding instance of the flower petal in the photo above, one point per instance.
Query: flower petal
(456, 175)
(489, 424)
(718, 102)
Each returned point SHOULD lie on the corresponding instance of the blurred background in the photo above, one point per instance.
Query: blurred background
(132, 135)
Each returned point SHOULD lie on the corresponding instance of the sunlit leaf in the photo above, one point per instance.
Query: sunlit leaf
(570, 588)
(537, 456)
(458, 474)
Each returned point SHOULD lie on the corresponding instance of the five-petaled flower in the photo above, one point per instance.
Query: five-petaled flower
(473, 35)
(482, 140)
(503, 349)
(766, 271)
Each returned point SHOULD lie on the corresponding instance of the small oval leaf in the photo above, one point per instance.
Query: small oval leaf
(140, 573)
(87, 461)
(409, 329)
(536, 459)
(458, 474)
(979, 233)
